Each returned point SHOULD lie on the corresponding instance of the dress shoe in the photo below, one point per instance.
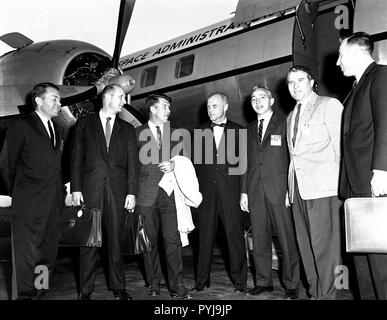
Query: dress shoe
(84, 296)
(257, 290)
(154, 290)
(291, 294)
(199, 287)
(180, 293)
(241, 288)
(121, 294)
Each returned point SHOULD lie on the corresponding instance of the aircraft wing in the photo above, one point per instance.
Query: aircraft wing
(248, 10)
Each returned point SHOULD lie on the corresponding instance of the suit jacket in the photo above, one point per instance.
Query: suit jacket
(268, 162)
(315, 158)
(92, 166)
(365, 131)
(149, 157)
(216, 174)
(34, 167)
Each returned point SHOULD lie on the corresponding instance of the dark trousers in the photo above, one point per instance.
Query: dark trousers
(162, 215)
(371, 271)
(34, 242)
(213, 207)
(112, 224)
(263, 216)
(317, 224)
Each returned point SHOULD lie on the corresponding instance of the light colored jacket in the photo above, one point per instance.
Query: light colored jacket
(315, 158)
(184, 183)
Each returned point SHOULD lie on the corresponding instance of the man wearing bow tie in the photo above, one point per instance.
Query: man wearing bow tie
(313, 135)
(263, 193)
(34, 146)
(220, 191)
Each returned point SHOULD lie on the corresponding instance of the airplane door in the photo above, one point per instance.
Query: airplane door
(304, 36)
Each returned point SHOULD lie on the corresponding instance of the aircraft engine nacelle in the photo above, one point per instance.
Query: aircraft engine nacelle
(73, 64)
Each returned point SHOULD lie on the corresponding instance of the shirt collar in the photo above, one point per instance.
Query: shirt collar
(42, 117)
(266, 116)
(153, 126)
(224, 121)
(304, 103)
(103, 115)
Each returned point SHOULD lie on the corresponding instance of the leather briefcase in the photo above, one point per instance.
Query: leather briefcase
(136, 239)
(80, 226)
(366, 225)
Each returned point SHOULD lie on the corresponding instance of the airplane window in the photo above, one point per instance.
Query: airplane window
(148, 76)
(184, 66)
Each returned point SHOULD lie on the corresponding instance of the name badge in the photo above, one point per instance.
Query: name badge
(275, 140)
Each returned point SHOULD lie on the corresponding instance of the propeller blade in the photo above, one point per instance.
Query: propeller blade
(124, 15)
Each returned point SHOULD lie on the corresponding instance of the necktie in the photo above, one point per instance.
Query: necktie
(260, 130)
(354, 84)
(217, 124)
(296, 123)
(108, 132)
(158, 136)
(52, 138)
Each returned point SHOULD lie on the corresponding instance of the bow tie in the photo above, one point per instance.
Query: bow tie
(217, 125)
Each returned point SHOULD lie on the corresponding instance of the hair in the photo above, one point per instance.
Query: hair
(361, 39)
(40, 90)
(154, 98)
(223, 96)
(305, 69)
(109, 89)
(258, 86)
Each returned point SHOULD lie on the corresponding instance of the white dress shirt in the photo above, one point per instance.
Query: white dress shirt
(218, 132)
(266, 117)
(103, 116)
(303, 106)
(153, 129)
(45, 123)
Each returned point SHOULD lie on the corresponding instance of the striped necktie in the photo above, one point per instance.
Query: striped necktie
(260, 131)
(52, 138)
(159, 139)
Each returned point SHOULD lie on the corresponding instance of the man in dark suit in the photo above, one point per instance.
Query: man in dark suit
(34, 146)
(158, 209)
(364, 134)
(220, 188)
(104, 176)
(263, 195)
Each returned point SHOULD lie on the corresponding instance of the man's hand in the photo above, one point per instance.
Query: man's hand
(167, 166)
(379, 183)
(287, 200)
(244, 202)
(130, 202)
(77, 198)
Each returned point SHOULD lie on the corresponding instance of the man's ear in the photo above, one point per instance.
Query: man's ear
(271, 101)
(226, 107)
(38, 101)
